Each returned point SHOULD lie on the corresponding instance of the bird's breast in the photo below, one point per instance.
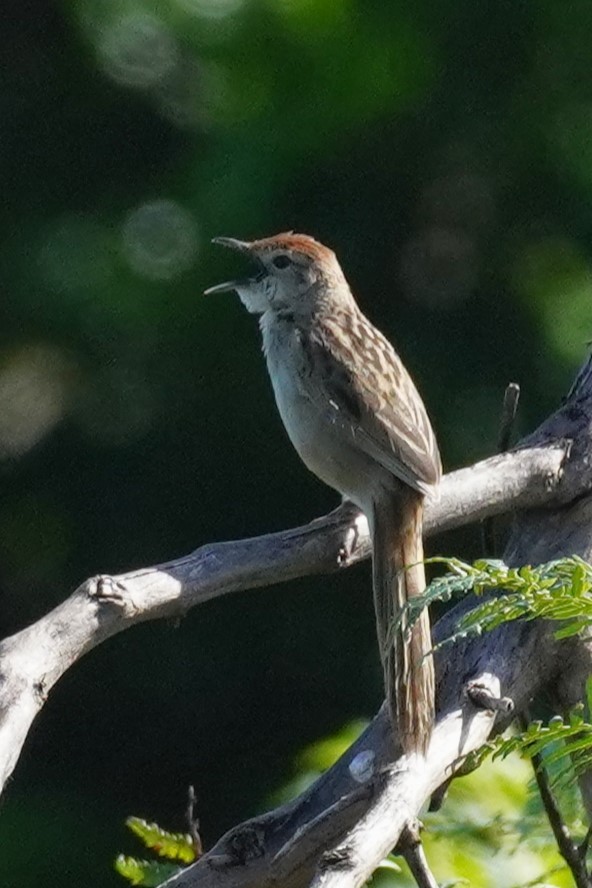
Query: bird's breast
(288, 370)
(307, 416)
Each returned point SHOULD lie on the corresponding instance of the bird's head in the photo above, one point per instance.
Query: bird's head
(291, 271)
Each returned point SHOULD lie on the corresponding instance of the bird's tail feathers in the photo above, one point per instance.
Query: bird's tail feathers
(398, 576)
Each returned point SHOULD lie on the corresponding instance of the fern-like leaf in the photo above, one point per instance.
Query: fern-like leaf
(173, 846)
(558, 590)
(147, 873)
(569, 743)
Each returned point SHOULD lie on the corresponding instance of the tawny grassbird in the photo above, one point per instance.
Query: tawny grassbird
(357, 421)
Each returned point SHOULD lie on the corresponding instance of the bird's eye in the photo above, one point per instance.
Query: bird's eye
(281, 261)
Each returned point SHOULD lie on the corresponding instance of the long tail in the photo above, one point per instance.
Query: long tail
(407, 662)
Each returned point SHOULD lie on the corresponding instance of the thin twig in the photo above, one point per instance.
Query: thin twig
(509, 408)
(411, 848)
(193, 822)
(568, 849)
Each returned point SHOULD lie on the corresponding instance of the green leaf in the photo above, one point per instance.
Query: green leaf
(559, 590)
(147, 873)
(570, 744)
(173, 846)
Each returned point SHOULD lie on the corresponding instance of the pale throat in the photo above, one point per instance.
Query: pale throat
(254, 299)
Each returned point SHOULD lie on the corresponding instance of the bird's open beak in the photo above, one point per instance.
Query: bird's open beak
(233, 244)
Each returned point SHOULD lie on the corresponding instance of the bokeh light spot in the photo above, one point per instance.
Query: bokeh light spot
(211, 9)
(138, 50)
(160, 239)
(179, 97)
(35, 386)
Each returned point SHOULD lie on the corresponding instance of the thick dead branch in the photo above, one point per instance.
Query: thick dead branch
(33, 660)
(338, 831)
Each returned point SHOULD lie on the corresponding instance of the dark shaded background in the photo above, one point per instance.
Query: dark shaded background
(445, 152)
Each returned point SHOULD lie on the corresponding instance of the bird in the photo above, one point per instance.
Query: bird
(358, 423)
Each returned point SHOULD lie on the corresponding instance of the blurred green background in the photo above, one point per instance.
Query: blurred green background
(445, 152)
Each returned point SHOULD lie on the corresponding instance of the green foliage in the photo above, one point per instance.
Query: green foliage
(173, 846)
(568, 745)
(148, 873)
(558, 590)
(521, 829)
(491, 831)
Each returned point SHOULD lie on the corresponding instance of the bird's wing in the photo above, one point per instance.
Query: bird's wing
(360, 382)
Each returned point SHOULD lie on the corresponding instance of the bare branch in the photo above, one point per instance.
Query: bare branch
(361, 805)
(412, 850)
(33, 660)
(509, 408)
(193, 822)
